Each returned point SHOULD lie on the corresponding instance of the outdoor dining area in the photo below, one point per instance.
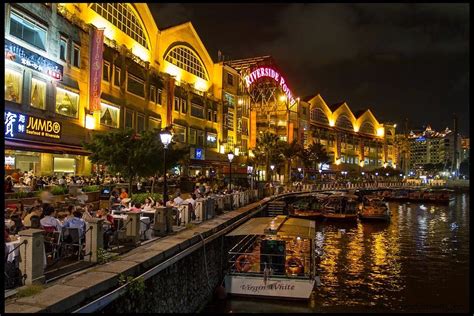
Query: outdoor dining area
(46, 237)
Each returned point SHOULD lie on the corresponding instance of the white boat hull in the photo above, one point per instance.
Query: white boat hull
(274, 287)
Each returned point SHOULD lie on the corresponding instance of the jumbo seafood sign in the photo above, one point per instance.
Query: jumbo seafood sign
(21, 125)
(273, 287)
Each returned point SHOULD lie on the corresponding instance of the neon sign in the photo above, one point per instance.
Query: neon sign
(17, 124)
(27, 58)
(270, 73)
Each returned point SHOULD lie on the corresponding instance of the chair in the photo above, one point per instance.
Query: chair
(52, 242)
(72, 239)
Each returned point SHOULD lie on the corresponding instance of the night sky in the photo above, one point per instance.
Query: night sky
(400, 60)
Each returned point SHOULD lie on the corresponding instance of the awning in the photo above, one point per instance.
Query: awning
(45, 147)
(291, 227)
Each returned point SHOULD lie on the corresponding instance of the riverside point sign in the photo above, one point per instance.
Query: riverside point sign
(273, 74)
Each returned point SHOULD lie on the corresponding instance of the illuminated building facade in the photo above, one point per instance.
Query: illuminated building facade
(150, 78)
(432, 147)
(353, 140)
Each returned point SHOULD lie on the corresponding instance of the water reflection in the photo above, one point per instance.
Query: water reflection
(419, 262)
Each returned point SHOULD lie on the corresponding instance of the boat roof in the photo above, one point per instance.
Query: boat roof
(291, 227)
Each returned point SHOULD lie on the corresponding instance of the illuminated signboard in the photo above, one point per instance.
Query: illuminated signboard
(270, 73)
(420, 139)
(9, 161)
(27, 58)
(17, 124)
(198, 154)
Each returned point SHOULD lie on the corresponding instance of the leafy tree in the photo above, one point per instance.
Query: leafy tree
(266, 147)
(131, 154)
(289, 151)
(314, 155)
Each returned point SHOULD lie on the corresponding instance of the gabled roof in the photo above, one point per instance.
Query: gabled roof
(309, 97)
(240, 64)
(190, 25)
(359, 113)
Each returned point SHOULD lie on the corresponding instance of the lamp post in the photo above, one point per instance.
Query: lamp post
(230, 155)
(165, 137)
(299, 171)
(272, 167)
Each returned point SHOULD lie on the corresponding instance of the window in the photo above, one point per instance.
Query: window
(230, 141)
(106, 71)
(38, 93)
(62, 48)
(140, 123)
(154, 123)
(184, 108)
(152, 93)
(109, 115)
(200, 138)
(159, 96)
(179, 134)
(192, 136)
(122, 16)
(176, 104)
(209, 115)
(186, 59)
(13, 85)
(116, 76)
(244, 145)
(76, 56)
(27, 31)
(211, 140)
(128, 118)
(135, 85)
(215, 116)
(67, 102)
(229, 100)
(230, 79)
(197, 110)
(239, 125)
(230, 120)
(245, 128)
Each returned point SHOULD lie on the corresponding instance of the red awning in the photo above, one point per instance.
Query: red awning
(45, 147)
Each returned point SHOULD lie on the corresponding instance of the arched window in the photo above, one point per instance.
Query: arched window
(186, 59)
(367, 128)
(344, 122)
(319, 116)
(122, 16)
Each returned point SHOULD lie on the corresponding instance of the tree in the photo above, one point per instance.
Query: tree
(464, 167)
(266, 147)
(314, 155)
(131, 154)
(289, 151)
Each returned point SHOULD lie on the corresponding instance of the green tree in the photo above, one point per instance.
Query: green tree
(289, 151)
(131, 154)
(314, 155)
(266, 147)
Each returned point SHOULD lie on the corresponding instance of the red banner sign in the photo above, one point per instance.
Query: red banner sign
(96, 69)
(169, 112)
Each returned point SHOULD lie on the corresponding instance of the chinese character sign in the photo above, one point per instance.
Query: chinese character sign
(20, 125)
(96, 69)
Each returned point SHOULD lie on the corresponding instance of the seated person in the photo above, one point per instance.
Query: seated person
(149, 203)
(17, 224)
(49, 219)
(34, 211)
(123, 194)
(114, 200)
(7, 236)
(76, 222)
(137, 208)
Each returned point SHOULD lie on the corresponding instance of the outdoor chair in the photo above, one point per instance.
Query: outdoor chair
(52, 243)
(72, 239)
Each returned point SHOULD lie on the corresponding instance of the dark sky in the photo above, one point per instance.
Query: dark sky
(400, 60)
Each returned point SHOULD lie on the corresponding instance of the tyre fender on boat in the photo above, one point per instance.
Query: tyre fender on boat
(294, 265)
(243, 263)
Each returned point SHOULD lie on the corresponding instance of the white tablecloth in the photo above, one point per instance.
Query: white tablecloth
(144, 222)
(12, 254)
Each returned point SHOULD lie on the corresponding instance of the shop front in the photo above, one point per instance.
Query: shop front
(33, 144)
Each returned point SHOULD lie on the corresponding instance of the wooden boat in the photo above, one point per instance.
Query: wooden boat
(341, 208)
(307, 206)
(276, 258)
(374, 208)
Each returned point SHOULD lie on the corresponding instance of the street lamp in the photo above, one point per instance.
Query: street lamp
(272, 167)
(165, 137)
(230, 155)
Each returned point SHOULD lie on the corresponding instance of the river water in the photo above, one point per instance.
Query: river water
(419, 262)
